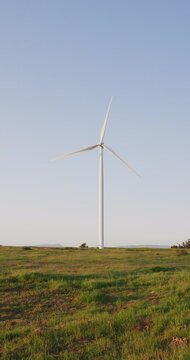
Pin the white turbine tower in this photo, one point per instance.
(101, 147)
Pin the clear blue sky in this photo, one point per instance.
(60, 63)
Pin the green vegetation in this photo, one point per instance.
(115, 304)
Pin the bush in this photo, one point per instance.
(182, 252)
(26, 248)
(83, 246)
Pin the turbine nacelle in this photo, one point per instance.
(101, 145)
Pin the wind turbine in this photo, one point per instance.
(101, 147)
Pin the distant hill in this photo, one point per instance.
(146, 246)
(121, 247)
(49, 245)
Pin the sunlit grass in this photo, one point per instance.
(120, 304)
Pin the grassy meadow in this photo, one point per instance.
(84, 304)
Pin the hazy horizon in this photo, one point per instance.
(60, 63)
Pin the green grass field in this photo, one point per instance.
(120, 304)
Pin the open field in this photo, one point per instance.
(89, 304)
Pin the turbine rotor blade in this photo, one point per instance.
(103, 129)
(61, 157)
(118, 157)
